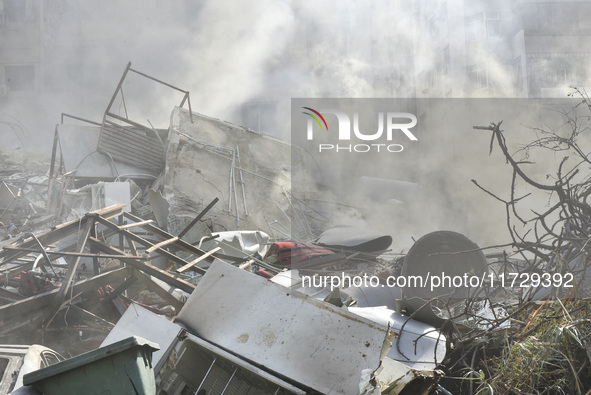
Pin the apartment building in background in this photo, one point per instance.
(505, 48)
(378, 48)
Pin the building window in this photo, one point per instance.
(566, 16)
(478, 76)
(483, 25)
(517, 74)
(20, 78)
(555, 76)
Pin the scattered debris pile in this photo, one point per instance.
(88, 264)
(136, 231)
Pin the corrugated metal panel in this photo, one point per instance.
(132, 145)
(78, 144)
(309, 341)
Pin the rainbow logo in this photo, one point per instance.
(315, 118)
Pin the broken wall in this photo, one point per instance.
(249, 173)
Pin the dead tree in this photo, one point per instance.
(559, 237)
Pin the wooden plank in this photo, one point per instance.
(149, 221)
(59, 232)
(146, 267)
(152, 286)
(132, 247)
(196, 261)
(146, 243)
(180, 244)
(161, 244)
(68, 279)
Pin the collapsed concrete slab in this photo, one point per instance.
(310, 341)
(249, 172)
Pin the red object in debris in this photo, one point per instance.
(263, 273)
(289, 252)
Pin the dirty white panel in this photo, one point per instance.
(307, 340)
(250, 242)
(137, 321)
(117, 193)
(418, 345)
(394, 376)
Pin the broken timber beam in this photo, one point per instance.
(132, 236)
(144, 266)
(133, 225)
(196, 261)
(198, 217)
(180, 244)
(58, 233)
(72, 267)
(161, 244)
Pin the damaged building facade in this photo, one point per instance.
(182, 169)
(183, 258)
(131, 232)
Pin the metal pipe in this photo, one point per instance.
(126, 120)
(123, 101)
(258, 261)
(284, 213)
(230, 191)
(52, 166)
(190, 111)
(157, 80)
(79, 119)
(205, 377)
(228, 383)
(197, 218)
(295, 214)
(258, 175)
(235, 193)
(44, 254)
(274, 228)
(127, 68)
(156, 133)
(242, 182)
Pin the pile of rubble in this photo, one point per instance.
(136, 244)
(134, 231)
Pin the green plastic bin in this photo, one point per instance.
(122, 368)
